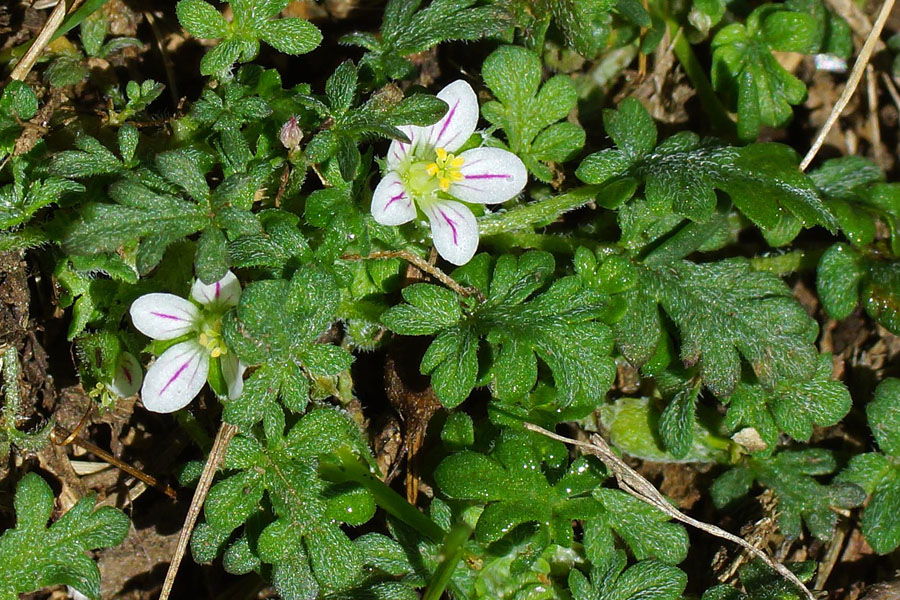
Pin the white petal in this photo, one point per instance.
(176, 377)
(459, 123)
(398, 150)
(129, 376)
(224, 293)
(163, 316)
(233, 373)
(391, 203)
(453, 229)
(490, 176)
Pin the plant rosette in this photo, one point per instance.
(179, 373)
(425, 175)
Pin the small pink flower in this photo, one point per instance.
(291, 134)
(179, 373)
(425, 174)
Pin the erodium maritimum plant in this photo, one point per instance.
(424, 174)
(179, 373)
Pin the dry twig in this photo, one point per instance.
(72, 438)
(40, 42)
(855, 75)
(424, 266)
(216, 454)
(632, 482)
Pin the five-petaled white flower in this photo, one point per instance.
(426, 174)
(180, 372)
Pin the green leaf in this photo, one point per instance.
(762, 583)
(584, 24)
(35, 556)
(838, 280)
(558, 326)
(291, 35)
(430, 308)
(18, 100)
(793, 406)
(845, 274)
(646, 530)
(19, 203)
(201, 19)
(156, 219)
(92, 158)
(212, 258)
(790, 474)
(883, 413)
(511, 483)
(646, 580)
(93, 32)
(724, 311)
(854, 190)
(295, 515)
(219, 60)
(341, 87)
(762, 180)
(676, 424)
(527, 111)
(408, 29)
(744, 69)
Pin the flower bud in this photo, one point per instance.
(291, 134)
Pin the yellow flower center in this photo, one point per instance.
(211, 339)
(446, 168)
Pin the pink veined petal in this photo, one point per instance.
(176, 377)
(490, 176)
(163, 316)
(233, 373)
(459, 123)
(398, 150)
(224, 293)
(129, 376)
(453, 229)
(391, 203)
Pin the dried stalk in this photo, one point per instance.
(856, 74)
(40, 42)
(216, 454)
(635, 484)
(423, 266)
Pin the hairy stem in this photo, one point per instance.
(563, 244)
(542, 212)
(347, 467)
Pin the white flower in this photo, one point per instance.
(426, 174)
(180, 372)
(128, 376)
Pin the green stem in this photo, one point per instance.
(451, 552)
(562, 244)
(542, 212)
(788, 262)
(347, 467)
(715, 112)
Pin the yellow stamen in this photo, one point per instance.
(446, 168)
